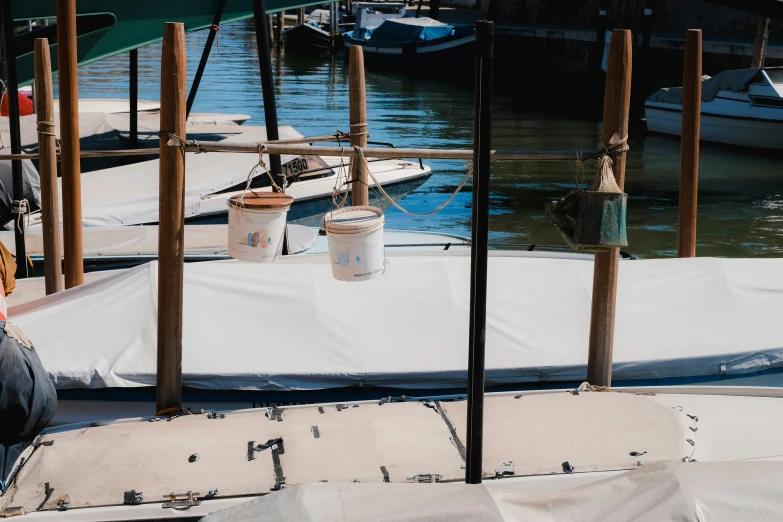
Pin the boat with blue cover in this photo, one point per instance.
(419, 45)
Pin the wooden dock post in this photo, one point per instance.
(270, 25)
(171, 232)
(760, 43)
(279, 28)
(358, 111)
(689, 145)
(300, 16)
(47, 167)
(70, 159)
(617, 98)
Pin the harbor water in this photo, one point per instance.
(740, 194)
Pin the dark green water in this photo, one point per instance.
(740, 196)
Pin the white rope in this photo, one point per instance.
(20, 208)
(342, 173)
(250, 175)
(394, 203)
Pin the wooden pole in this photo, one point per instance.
(171, 231)
(300, 16)
(689, 145)
(617, 99)
(69, 143)
(358, 112)
(279, 28)
(47, 167)
(760, 43)
(270, 25)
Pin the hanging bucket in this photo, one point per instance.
(256, 226)
(355, 236)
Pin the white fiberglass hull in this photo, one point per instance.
(729, 129)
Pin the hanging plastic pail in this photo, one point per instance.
(355, 236)
(256, 225)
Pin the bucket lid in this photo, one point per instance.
(353, 219)
(262, 201)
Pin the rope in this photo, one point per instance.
(342, 172)
(394, 203)
(357, 133)
(45, 124)
(20, 208)
(616, 145)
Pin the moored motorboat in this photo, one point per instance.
(742, 108)
(419, 45)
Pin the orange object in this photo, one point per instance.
(25, 105)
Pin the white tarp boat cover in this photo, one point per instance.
(290, 325)
(128, 195)
(105, 131)
(709, 491)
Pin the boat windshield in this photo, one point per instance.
(775, 75)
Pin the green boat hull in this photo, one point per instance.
(106, 27)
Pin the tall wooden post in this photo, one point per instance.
(617, 99)
(300, 16)
(270, 25)
(358, 111)
(760, 43)
(279, 28)
(689, 145)
(69, 143)
(47, 167)
(171, 231)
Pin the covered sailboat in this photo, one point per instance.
(679, 321)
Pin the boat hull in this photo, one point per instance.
(451, 56)
(755, 133)
(307, 39)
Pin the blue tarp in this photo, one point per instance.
(410, 30)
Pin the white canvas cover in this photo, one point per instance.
(128, 194)
(364, 442)
(727, 491)
(290, 325)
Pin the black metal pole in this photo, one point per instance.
(485, 35)
(268, 92)
(205, 55)
(134, 99)
(16, 140)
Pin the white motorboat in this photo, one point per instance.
(742, 107)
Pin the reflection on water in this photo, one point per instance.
(740, 197)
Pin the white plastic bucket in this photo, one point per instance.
(355, 236)
(256, 225)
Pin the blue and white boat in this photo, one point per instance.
(421, 45)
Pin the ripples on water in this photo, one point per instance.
(740, 197)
